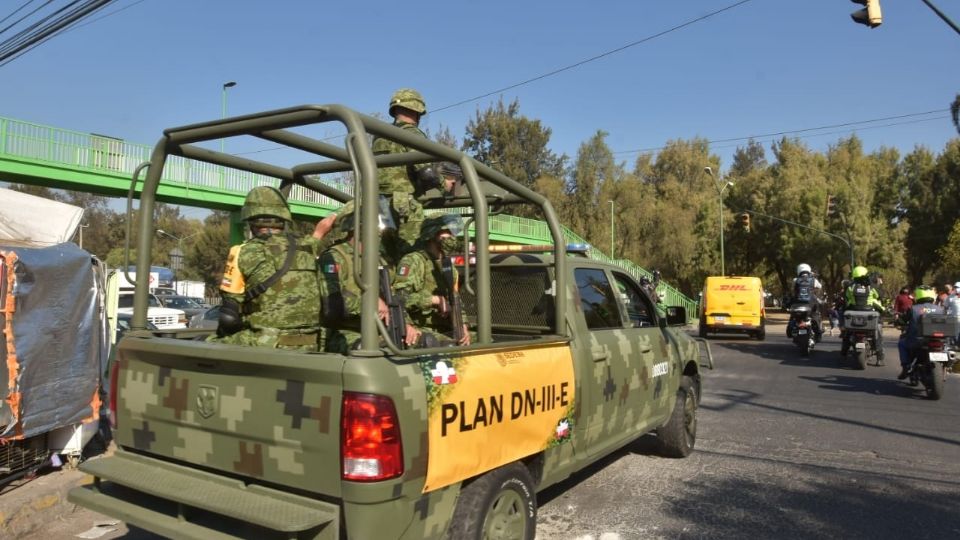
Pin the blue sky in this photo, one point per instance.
(766, 66)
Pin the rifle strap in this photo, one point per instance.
(254, 292)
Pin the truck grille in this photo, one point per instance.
(164, 321)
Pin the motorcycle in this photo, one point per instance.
(860, 330)
(803, 328)
(937, 353)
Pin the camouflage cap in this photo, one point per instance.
(444, 222)
(265, 201)
(408, 98)
(449, 168)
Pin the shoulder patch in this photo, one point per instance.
(404, 270)
(331, 268)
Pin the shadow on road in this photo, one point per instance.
(738, 397)
(882, 387)
(813, 506)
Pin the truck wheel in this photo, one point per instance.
(679, 434)
(761, 333)
(501, 504)
(703, 330)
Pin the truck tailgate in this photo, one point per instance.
(261, 414)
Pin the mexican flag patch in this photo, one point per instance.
(404, 270)
(331, 268)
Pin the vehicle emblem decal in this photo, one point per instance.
(443, 374)
(207, 398)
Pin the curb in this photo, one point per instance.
(35, 503)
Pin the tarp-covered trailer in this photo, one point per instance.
(53, 336)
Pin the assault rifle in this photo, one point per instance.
(453, 298)
(398, 325)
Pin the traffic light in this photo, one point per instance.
(870, 15)
(744, 219)
(831, 206)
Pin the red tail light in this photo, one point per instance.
(370, 438)
(114, 377)
(935, 345)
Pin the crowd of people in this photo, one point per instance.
(301, 292)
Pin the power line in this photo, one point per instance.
(104, 16)
(594, 58)
(805, 130)
(562, 69)
(47, 28)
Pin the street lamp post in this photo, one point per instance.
(223, 105)
(611, 229)
(721, 187)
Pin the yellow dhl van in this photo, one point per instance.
(732, 304)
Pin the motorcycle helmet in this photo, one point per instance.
(924, 293)
(803, 267)
(858, 272)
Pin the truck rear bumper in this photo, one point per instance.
(183, 502)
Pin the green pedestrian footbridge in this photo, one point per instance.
(60, 158)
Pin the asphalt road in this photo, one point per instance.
(788, 447)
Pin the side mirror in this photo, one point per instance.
(676, 316)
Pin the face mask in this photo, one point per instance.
(449, 245)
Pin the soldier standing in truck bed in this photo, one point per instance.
(401, 185)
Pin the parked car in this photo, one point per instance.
(124, 320)
(209, 319)
(185, 303)
(164, 318)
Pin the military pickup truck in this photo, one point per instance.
(572, 359)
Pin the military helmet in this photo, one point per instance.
(858, 272)
(408, 98)
(924, 293)
(803, 267)
(265, 202)
(444, 222)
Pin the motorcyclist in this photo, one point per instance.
(910, 342)
(806, 290)
(860, 295)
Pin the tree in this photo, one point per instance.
(513, 144)
(955, 112)
(209, 251)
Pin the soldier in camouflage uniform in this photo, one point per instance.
(420, 282)
(340, 293)
(285, 313)
(401, 185)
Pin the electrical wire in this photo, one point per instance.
(47, 28)
(594, 58)
(104, 16)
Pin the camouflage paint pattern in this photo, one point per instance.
(418, 280)
(399, 185)
(290, 308)
(339, 294)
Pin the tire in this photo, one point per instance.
(860, 358)
(762, 333)
(933, 380)
(500, 504)
(703, 330)
(679, 435)
(805, 347)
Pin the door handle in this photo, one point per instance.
(599, 355)
(648, 349)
